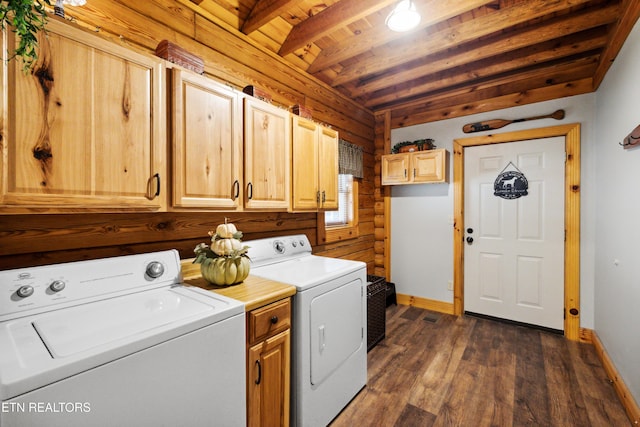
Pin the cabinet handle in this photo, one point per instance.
(274, 320)
(318, 197)
(157, 178)
(259, 372)
(324, 197)
(405, 173)
(249, 191)
(414, 172)
(236, 187)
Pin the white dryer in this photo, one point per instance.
(329, 330)
(118, 342)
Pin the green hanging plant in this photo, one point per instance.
(421, 144)
(26, 17)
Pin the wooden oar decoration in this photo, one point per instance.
(499, 123)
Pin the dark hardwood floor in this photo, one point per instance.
(434, 369)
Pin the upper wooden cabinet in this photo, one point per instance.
(328, 179)
(315, 166)
(267, 147)
(85, 130)
(206, 143)
(420, 167)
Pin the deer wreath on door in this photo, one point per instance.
(510, 184)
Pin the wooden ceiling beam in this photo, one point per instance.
(330, 19)
(409, 115)
(263, 12)
(631, 14)
(517, 82)
(438, 11)
(464, 51)
(524, 79)
(422, 43)
(500, 45)
(474, 72)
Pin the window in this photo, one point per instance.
(343, 223)
(344, 215)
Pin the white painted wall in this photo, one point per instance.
(617, 287)
(421, 214)
(422, 232)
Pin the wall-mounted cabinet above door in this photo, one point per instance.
(267, 148)
(85, 130)
(206, 143)
(419, 167)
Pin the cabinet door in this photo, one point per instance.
(267, 146)
(395, 169)
(85, 129)
(206, 143)
(268, 381)
(305, 151)
(428, 166)
(328, 168)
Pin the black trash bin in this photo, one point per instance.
(391, 294)
(376, 306)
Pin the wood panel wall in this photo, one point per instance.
(37, 239)
(382, 232)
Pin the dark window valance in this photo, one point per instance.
(350, 159)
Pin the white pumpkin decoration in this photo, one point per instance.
(225, 262)
(224, 247)
(226, 230)
(224, 271)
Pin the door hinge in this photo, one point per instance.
(565, 157)
(564, 313)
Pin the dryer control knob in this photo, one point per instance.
(279, 246)
(155, 269)
(57, 285)
(25, 291)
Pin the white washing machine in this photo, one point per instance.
(118, 342)
(329, 330)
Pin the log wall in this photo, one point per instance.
(229, 56)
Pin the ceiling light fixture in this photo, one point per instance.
(403, 17)
(59, 7)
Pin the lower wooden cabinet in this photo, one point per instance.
(268, 364)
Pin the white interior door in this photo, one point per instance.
(514, 239)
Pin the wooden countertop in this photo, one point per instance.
(254, 291)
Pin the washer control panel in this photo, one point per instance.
(264, 251)
(33, 290)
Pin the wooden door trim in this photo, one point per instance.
(571, 132)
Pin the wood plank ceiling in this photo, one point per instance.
(465, 56)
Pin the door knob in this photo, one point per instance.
(469, 230)
(469, 240)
